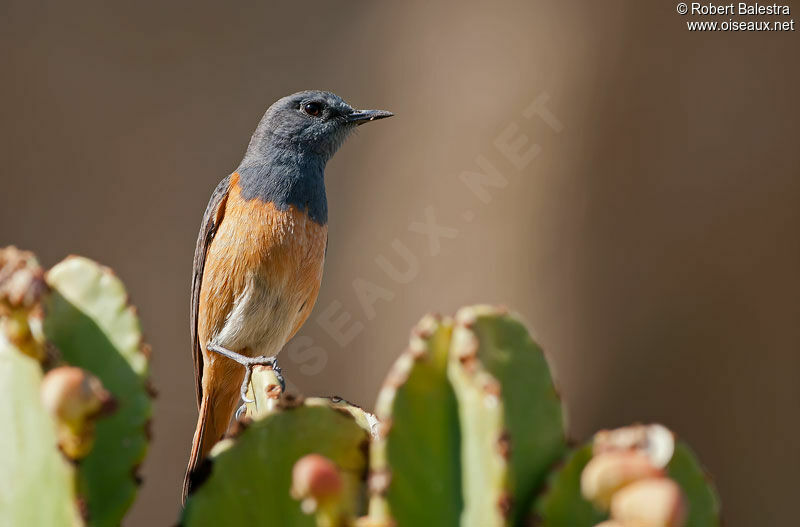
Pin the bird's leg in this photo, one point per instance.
(249, 363)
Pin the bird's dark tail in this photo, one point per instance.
(197, 452)
(216, 411)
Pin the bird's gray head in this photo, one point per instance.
(285, 161)
(311, 123)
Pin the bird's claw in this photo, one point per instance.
(278, 374)
(249, 363)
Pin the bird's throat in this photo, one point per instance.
(285, 178)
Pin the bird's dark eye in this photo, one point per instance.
(312, 108)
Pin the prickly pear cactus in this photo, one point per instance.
(471, 424)
(89, 320)
(249, 478)
(470, 427)
(415, 463)
(37, 485)
(510, 415)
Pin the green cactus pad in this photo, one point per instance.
(562, 504)
(267, 398)
(704, 508)
(37, 487)
(364, 419)
(89, 320)
(249, 481)
(417, 454)
(511, 419)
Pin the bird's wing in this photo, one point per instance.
(211, 220)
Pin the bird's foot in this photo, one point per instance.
(249, 363)
(261, 360)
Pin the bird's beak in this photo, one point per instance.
(364, 116)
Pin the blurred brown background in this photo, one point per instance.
(652, 243)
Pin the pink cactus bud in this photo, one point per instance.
(369, 521)
(608, 472)
(22, 288)
(74, 397)
(654, 502)
(22, 282)
(315, 477)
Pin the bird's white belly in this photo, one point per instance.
(262, 318)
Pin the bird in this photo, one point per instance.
(260, 252)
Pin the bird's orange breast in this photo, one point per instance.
(281, 251)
